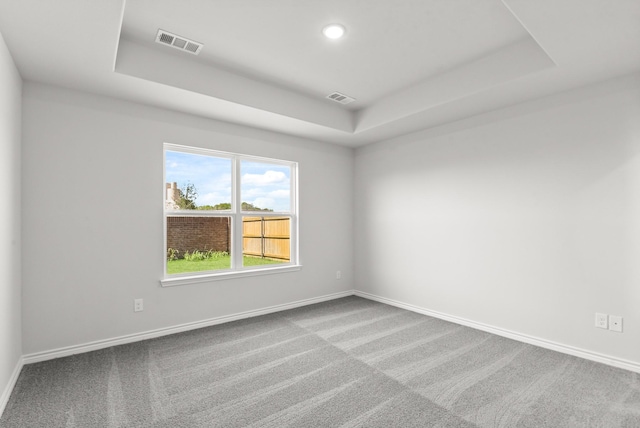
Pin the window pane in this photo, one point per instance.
(196, 244)
(265, 187)
(265, 240)
(197, 182)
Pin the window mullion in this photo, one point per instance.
(236, 259)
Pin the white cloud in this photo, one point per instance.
(268, 178)
(213, 199)
(264, 203)
(253, 193)
(279, 194)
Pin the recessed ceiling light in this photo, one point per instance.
(333, 31)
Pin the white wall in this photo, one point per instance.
(92, 215)
(10, 130)
(526, 219)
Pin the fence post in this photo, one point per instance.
(262, 236)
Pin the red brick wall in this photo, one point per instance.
(198, 233)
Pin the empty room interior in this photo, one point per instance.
(320, 213)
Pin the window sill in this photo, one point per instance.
(195, 279)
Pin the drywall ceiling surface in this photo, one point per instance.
(409, 65)
(385, 48)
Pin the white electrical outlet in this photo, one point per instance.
(615, 323)
(601, 320)
(138, 305)
(338, 274)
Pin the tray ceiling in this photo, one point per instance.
(409, 66)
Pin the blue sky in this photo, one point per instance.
(262, 184)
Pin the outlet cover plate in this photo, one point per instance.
(601, 320)
(615, 323)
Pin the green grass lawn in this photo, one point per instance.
(184, 266)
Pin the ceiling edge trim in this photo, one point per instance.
(513, 61)
(120, 23)
(167, 68)
(526, 28)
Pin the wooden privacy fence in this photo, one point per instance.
(266, 237)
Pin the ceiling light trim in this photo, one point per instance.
(334, 31)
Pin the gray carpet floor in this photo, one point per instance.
(349, 362)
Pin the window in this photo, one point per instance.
(227, 214)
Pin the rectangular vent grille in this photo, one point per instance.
(340, 98)
(193, 47)
(178, 42)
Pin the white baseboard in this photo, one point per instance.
(4, 398)
(547, 344)
(136, 337)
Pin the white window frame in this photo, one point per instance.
(236, 214)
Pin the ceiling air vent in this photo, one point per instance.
(340, 98)
(178, 42)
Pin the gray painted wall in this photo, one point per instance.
(10, 141)
(525, 219)
(93, 218)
